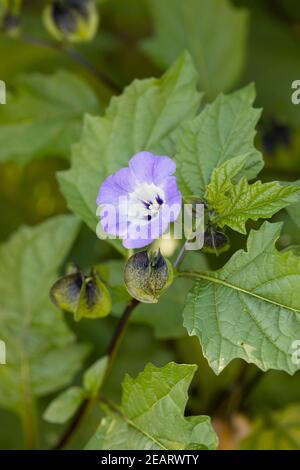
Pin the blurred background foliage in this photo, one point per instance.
(232, 43)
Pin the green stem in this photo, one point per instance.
(116, 340)
(29, 425)
(180, 256)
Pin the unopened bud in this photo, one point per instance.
(147, 276)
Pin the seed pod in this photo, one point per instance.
(71, 20)
(85, 297)
(215, 241)
(95, 300)
(147, 276)
(65, 293)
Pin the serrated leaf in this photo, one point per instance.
(44, 116)
(250, 308)
(42, 355)
(234, 204)
(223, 130)
(94, 376)
(276, 431)
(200, 26)
(144, 117)
(63, 407)
(152, 414)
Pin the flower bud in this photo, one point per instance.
(71, 20)
(215, 241)
(147, 276)
(85, 297)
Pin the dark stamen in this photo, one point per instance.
(149, 217)
(159, 200)
(147, 204)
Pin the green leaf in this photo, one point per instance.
(294, 210)
(276, 431)
(94, 376)
(234, 204)
(223, 130)
(145, 117)
(200, 26)
(44, 116)
(152, 414)
(42, 355)
(63, 407)
(249, 308)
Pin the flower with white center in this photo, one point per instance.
(139, 202)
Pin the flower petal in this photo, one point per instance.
(115, 186)
(113, 221)
(164, 167)
(128, 243)
(172, 193)
(142, 165)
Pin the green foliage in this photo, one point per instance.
(223, 130)
(276, 431)
(152, 414)
(234, 204)
(94, 376)
(42, 353)
(249, 308)
(200, 26)
(64, 406)
(44, 116)
(294, 210)
(242, 305)
(146, 116)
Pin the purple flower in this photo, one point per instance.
(138, 203)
